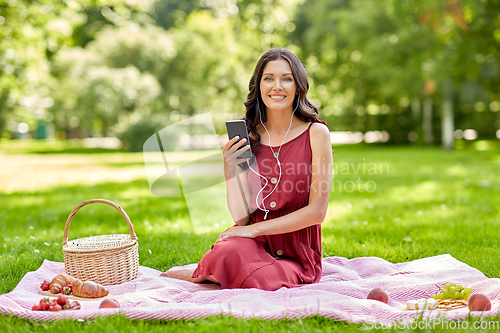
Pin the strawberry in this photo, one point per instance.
(45, 304)
(55, 307)
(66, 290)
(63, 299)
(45, 285)
(75, 306)
(53, 301)
(35, 307)
(66, 306)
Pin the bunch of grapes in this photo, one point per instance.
(453, 291)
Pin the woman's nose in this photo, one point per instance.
(277, 85)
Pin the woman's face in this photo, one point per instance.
(277, 86)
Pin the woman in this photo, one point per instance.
(280, 198)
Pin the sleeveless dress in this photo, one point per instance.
(270, 262)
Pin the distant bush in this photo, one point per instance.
(134, 136)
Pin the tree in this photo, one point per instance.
(392, 52)
(89, 91)
(30, 33)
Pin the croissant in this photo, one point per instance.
(89, 289)
(61, 281)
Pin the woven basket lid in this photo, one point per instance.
(99, 243)
(103, 243)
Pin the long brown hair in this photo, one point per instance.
(306, 111)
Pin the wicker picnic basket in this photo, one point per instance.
(106, 259)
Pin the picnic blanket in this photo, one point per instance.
(340, 295)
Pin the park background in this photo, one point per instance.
(84, 83)
(422, 71)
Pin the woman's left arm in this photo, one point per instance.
(315, 211)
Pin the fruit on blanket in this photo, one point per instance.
(55, 307)
(62, 300)
(453, 291)
(45, 285)
(55, 304)
(60, 281)
(74, 305)
(45, 304)
(378, 295)
(479, 302)
(109, 303)
(66, 290)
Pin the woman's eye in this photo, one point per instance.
(288, 79)
(266, 79)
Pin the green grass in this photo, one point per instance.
(425, 202)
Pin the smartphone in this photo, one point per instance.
(239, 127)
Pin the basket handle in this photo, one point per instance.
(107, 202)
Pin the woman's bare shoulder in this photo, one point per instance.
(320, 131)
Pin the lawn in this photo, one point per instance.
(397, 203)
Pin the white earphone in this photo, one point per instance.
(276, 156)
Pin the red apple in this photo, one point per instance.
(378, 295)
(109, 303)
(479, 302)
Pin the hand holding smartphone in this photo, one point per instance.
(238, 127)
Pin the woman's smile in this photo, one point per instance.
(277, 97)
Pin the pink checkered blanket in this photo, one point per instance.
(341, 294)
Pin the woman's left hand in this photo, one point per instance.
(246, 231)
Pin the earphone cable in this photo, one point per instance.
(276, 156)
(262, 189)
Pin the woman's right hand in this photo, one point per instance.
(231, 153)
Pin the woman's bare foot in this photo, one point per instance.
(185, 273)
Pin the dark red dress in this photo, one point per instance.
(272, 261)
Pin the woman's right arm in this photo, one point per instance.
(236, 182)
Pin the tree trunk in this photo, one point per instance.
(67, 132)
(427, 121)
(2, 123)
(3, 101)
(415, 108)
(105, 128)
(447, 121)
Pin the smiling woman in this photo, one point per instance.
(276, 239)
(283, 84)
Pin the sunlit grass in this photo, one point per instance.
(426, 202)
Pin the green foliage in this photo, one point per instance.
(135, 135)
(29, 31)
(374, 65)
(394, 53)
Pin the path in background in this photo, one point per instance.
(33, 172)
